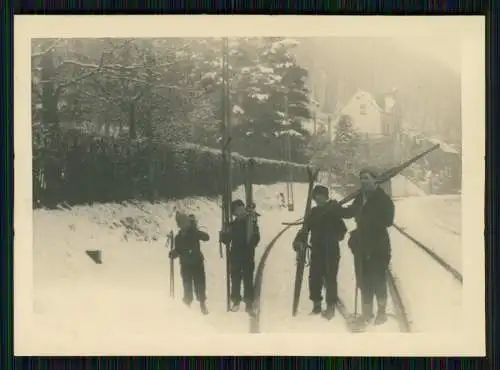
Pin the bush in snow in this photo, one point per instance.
(82, 169)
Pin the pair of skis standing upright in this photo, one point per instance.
(226, 219)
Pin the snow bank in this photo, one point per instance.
(402, 187)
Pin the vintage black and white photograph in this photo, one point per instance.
(188, 186)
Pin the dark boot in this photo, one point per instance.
(381, 315)
(235, 307)
(329, 312)
(367, 315)
(316, 308)
(249, 309)
(367, 318)
(203, 308)
(381, 318)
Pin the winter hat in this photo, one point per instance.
(369, 170)
(179, 217)
(235, 204)
(320, 190)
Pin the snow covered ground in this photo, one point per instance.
(436, 221)
(402, 187)
(79, 304)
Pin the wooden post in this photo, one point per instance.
(228, 158)
(314, 121)
(288, 158)
(330, 128)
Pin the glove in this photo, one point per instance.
(172, 254)
(299, 245)
(224, 237)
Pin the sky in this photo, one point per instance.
(447, 50)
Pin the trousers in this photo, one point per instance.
(323, 273)
(194, 280)
(371, 277)
(242, 271)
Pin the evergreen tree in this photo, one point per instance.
(345, 148)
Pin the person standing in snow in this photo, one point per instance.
(373, 211)
(187, 249)
(242, 255)
(327, 229)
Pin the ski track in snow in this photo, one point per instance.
(80, 304)
(438, 225)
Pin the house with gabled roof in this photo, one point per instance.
(365, 113)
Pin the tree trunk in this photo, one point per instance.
(131, 121)
(50, 123)
(50, 117)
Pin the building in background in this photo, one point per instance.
(365, 113)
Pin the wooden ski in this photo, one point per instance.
(385, 176)
(300, 244)
(249, 201)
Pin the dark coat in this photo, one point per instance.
(187, 245)
(241, 249)
(371, 237)
(325, 225)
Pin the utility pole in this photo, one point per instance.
(227, 160)
(288, 158)
(227, 112)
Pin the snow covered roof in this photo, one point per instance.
(447, 148)
(444, 146)
(368, 98)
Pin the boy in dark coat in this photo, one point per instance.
(187, 248)
(327, 229)
(373, 210)
(242, 254)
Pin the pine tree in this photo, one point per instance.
(263, 72)
(345, 147)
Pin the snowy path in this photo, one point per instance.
(433, 298)
(347, 284)
(277, 296)
(431, 295)
(436, 222)
(80, 304)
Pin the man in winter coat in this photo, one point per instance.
(187, 248)
(373, 210)
(327, 229)
(242, 254)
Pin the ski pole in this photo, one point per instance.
(356, 299)
(172, 275)
(357, 262)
